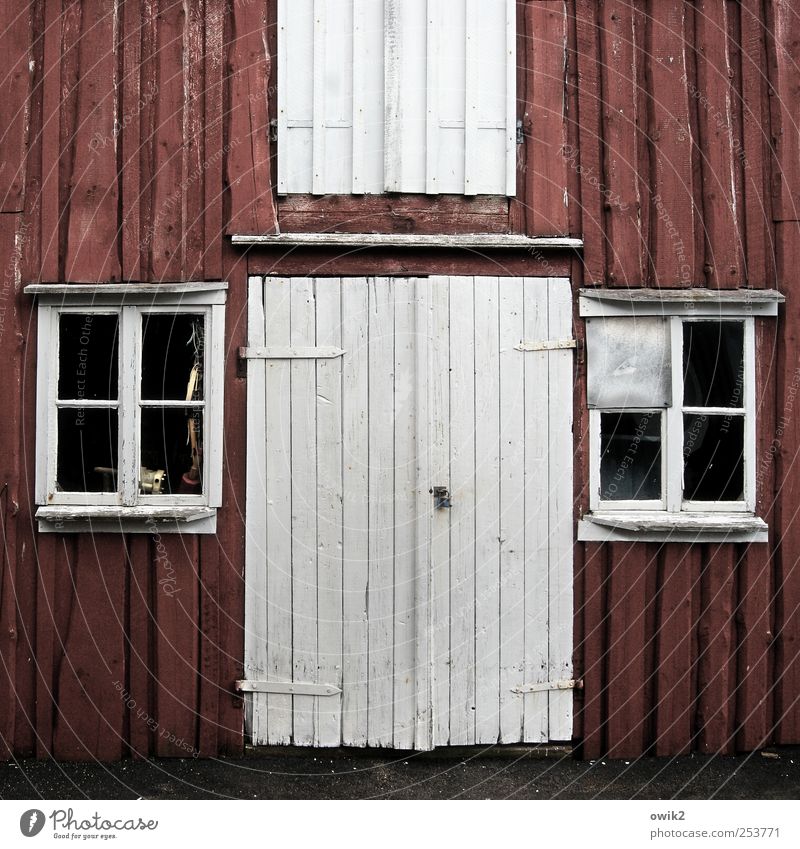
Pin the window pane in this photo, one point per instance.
(87, 357)
(713, 450)
(172, 344)
(630, 465)
(713, 364)
(87, 450)
(172, 451)
(628, 362)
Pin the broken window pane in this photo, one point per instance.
(628, 362)
(87, 450)
(630, 465)
(713, 364)
(172, 344)
(87, 358)
(713, 452)
(172, 451)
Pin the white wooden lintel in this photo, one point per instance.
(290, 352)
(490, 241)
(547, 345)
(288, 688)
(546, 686)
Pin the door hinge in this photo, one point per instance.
(547, 345)
(273, 130)
(289, 688)
(547, 686)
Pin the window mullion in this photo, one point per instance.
(129, 367)
(674, 421)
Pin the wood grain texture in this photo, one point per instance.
(248, 160)
(15, 47)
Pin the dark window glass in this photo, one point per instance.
(172, 451)
(713, 363)
(87, 357)
(171, 346)
(713, 451)
(630, 465)
(87, 450)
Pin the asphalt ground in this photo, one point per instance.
(470, 774)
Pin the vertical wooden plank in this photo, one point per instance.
(130, 139)
(252, 209)
(43, 655)
(716, 647)
(462, 533)
(355, 509)
(672, 213)
(214, 110)
(196, 160)
(560, 540)
(679, 576)
(724, 267)
(471, 115)
(753, 155)
(211, 687)
(537, 512)
(439, 365)
(176, 588)
(15, 45)
(50, 150)
(627, 644)
(621, 73)
(304, 507)
(168, 151)
(380, 596)
(359, 82)
(588, 199)
(91, 678)
(318, 131)
(547, 172)
(407, 385)
(283, 96)
(420, 515)
(327, 726)
(278, 431)
(592, 649)
(256, 517)
(512, 509)
(141, 674)
(754, 626)
(511, 97)
(487, 511)
(392, 73)
(432, 94)
(10, 497)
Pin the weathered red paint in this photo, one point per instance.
(134, 165)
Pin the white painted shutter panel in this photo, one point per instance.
(398, 96)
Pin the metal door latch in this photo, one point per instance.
(441, 498)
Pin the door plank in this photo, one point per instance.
(487, 511)
(512, 508)
(355, 522)
(329, 511)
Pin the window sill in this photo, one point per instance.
(169, 519)
(658, 526)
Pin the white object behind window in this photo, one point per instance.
(397, 96)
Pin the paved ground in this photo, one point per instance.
(342, 775)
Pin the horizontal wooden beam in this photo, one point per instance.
(478, 241)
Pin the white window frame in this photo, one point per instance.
(673, 517)
(128, 510)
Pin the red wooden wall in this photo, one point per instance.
(134, 137)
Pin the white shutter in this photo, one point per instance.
(398, 96)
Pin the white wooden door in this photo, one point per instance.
(374, 617)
